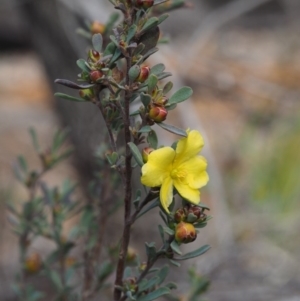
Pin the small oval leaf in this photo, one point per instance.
(69, 97)
(97, 41)
(134, 72)
(136, 153)
(82, 64)
(72, 85)
(152, 82)
(181, 95)
(152, 139)
(155, 294)
(195, 253)
(172, 129)
(145, 99)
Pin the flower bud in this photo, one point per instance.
(143, 266)
(144, 3)
(180, 215)
(130, 284)
(144, 73)
(87, 94)
(97, 27)
(198, 213)
(162, 101)
(95, 75)
(185, 233)
(131, 255)
(33, 263)
(158, 114)
(146, 152)
(94, 55)
(70, 261)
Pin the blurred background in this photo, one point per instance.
(242, 59)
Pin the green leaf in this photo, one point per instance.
(162, 274)
(69, 97)
(171, 285)
(136, 153)
(152, 82)
(195, 253)
(181, 95)
(172, 129)
(150, 250)
(145, 129)
(153, 205)
(72, 85)
(105, 269)
(149, 284)
(151, 23)
(113, 18)
(161, 232)
(163, 75)
(175, 247)
(157, 69)
(200, 225)
(112, 158)
(139, 49)
(152, 139)
(82, 64)
(171, 107)
(55, 278)
(23, 163)
(162, 18)
(137, 198)
(145, 99)
(110, 49)
(34, 139)
(97, 42)
(115, 57)
(134, 72)
(155, 294)
(59, 139)
(169, 231)
(177, 264)
(149, 39)
(131, 32)
(167, 87)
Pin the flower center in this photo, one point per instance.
(178, 174)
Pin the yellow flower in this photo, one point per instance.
(181, 168)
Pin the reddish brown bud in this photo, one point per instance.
(180, 215)
(196, 214)
(158, 114)
(144, 73)
(94, 55)
(33, 263)
(185, 233)
(95, 75)
(146, 152)
(97, 27)
(144, 3)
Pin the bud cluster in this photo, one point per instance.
(157, 110)
(185, 218)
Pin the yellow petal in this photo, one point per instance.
(157, 167)
(188, 147)
(188, 193)
(166, 193)
(195, 169)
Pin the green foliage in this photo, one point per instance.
(113, 77)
